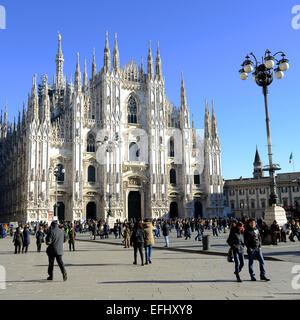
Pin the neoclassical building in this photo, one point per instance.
(250, 196)
(117, 144)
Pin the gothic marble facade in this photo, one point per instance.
(122, 143)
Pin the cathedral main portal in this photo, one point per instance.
(134, 206)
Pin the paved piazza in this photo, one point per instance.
(105, 272)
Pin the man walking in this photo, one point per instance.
(166, 232)
(253, 244)
(55, 242)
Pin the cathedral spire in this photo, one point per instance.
(5, 114)
(183, 93)
(207, 121)
(107, 66)
(142, 65)
(85, 76)
(45, 101)
(158, 69)
(150, 63)
(116, 58)
(214, 126)
(77, 75)
(34, 100)
(94, 67)
(59, 78)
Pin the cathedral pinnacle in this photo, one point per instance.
(158, 69)
(150, 63)
(116, 58)
(59, 78)
(107, 65)
(183, 93)
(214, 126)
(94, 67)
(85, 76)
(77, 75)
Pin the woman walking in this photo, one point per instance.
(18, 240)
(149, 240)
(126, 234)
(26, 237)
(137, 240)
(236, 242)
(39, 238)
(72, 238)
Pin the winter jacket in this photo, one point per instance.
(40, 237)
(252, 238)
(165, 230)
(72, 235)
(137, 238)
(26, 235)
(18, 238)
(236, 240)
(56, 239)
(148, 230)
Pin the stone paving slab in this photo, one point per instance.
(105, 272)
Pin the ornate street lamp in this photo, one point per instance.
(110, 144)
(263, 75)
(57, 172)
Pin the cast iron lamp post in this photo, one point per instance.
(57, 172)
(263, 76)
(110, 145)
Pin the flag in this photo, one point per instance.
(291, 157)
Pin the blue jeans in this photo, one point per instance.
(199, 235)
(148, 252)
(252, 253)
(167, 240)
(239, 261)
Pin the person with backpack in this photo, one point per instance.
(137, 240)
(236, 243)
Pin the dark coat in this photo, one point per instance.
(72, 235)
(18, 238)
(252, 238)
(56, 239)
(236, 240)
(26, 235)
(137, 238)
(165, 230)
(40, 237)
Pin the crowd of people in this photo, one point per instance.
(140, 235)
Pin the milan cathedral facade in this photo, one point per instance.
(112, 146)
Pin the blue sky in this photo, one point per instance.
(207, 40)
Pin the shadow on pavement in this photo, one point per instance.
(169, 281)
(87, 265)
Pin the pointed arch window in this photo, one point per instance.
(91, 143)
(171, 148)
(132, 110)
(91, 174)
(134, 152)
(61, 173)
(196, 177)
(172, 176)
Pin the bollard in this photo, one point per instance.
(206, 244)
